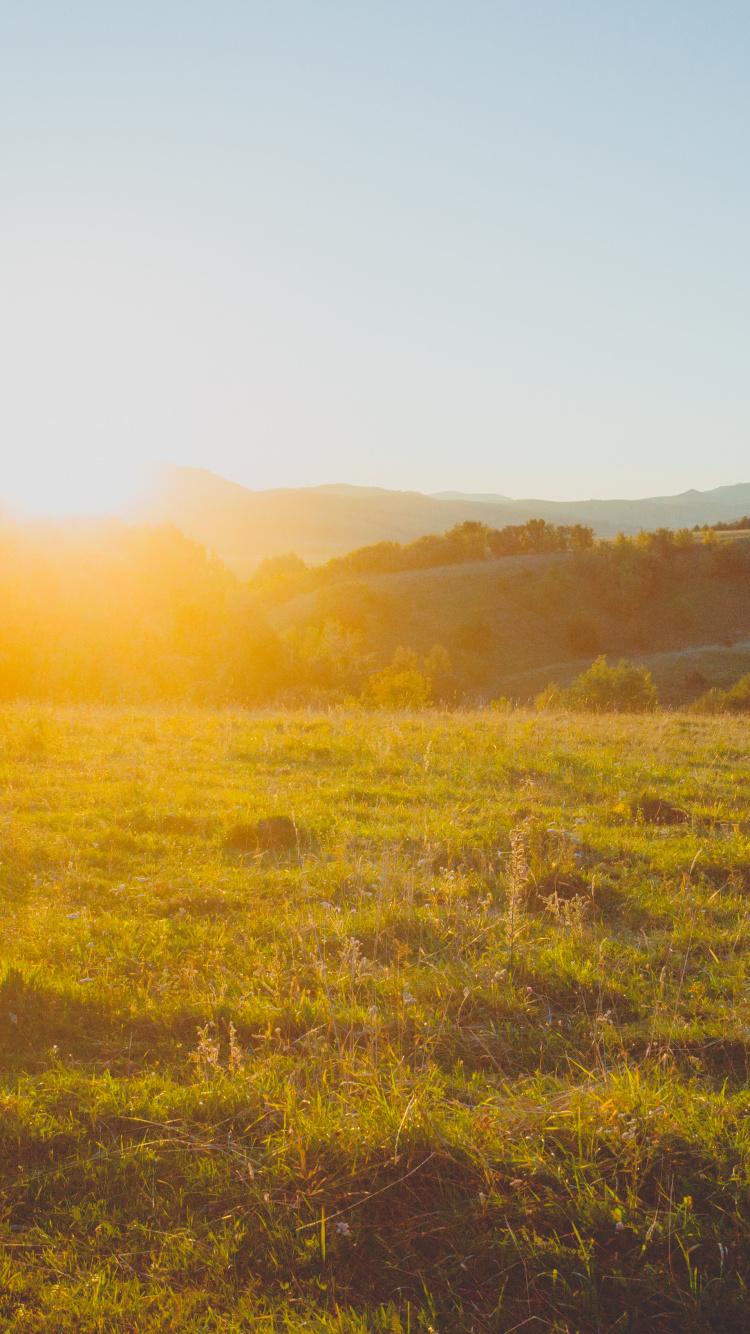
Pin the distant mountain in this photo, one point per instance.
(243, 526)
(485, 498)
(608, 517)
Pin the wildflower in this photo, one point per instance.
(14, 1018)
(343, 1228)
(407, 997)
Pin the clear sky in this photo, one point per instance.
(483, 245)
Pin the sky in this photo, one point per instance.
(475, 245)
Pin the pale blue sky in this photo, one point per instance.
(432, 244)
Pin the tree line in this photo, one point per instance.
(735, 526)
(288, 575)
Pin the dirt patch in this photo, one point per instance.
(657, 810)
(274, 833)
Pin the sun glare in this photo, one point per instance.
(46, 485)
(104, 359)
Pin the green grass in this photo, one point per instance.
(370, 1081)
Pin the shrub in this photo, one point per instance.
(397, 690)
(329, 655)
(604, 688)
(438, 669)
(734, 700)
(610, 688)
(400, 686)
(552, 698)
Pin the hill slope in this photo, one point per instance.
(244, 526)
(513, 625)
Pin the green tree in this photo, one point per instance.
(400, 686)
(613, 688)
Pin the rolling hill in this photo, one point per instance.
(244, 526)
(512, 626)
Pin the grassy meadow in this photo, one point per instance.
(373, 1022)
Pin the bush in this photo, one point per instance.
(604, 688)
(438, 669)
(551, 698)
(397, 690)
(734, 700)
(401, 686)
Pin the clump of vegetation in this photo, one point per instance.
(622, 687)
(734, 700)
(410, 681)
(397, 687)
(607, 687)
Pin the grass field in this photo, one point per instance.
(463, 1046)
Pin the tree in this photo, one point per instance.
(400, 686)
(609, 688)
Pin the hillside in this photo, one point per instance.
(513, 625)
(144, 614)
(244, 526)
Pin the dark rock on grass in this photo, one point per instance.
(275, 833)
(657, 810)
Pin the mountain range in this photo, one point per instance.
(244, 526)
